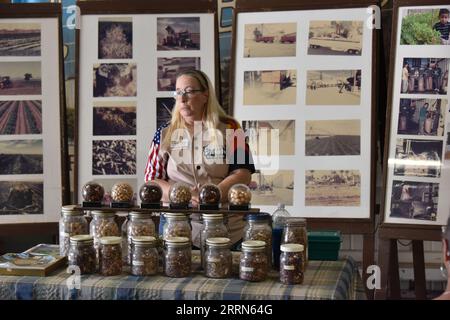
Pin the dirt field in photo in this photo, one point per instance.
(341, 195)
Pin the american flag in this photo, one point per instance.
(156, 165)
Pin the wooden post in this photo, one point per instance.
(419, 270)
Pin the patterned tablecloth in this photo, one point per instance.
(333, 280)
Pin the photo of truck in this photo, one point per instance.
(335, 38)
(178, 33)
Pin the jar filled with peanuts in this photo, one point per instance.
(103, 224)
(294, 231)
(259, 227)
(82, 253)
(180, 195)
(218, 258)
(213, 227)
(110, 256)
(178, 257)
(291, 263)
(253, 261)
(144, 256)
(71, 223)
(139, 224)
(177, 225)
(122, 193)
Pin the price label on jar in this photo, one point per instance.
(137, 263)
(289, 267)
(247, 269)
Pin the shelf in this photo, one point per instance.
(167, 209)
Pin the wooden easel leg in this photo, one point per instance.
(383, 262)
(368, 260)
(419, 270)
(394, 277)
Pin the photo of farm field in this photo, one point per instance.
(333, 138)
(113, 157)
(339, 188)
(20, 39)
(21, 197)
(20, 78)
(20, 117)
(21, 157)
(114, 118)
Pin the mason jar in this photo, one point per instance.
(139, 224)
(259, 227)
(294, 231)
(178, 257)
(218, 258)
(177, 225)
(291, 263)
(253, 264)
(82, 253)
(71, 223)
(144, 256)
(103, 224)
(213, 227)
(110, 256)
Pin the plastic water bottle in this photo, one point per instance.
(278, 221)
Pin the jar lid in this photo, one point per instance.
(143, 240)
(212, 216)
(175, 215)
(218, 242)
(177, 241)
(253, 245)
(81, 238)
(71, 210)
(103, 213)
(140, 214)
(295, 221)
(263, 216)
(292, 247)
(110, 240)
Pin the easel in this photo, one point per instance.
(365, 227)
(388, 258)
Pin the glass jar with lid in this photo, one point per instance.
(253, 264)
(218, 258)
(213, 227)
(291, 263)
(144, 256)
(180, 195)
(150, 192)
(82, 253)
(103, 224)
(71, 223)
(259, 227)
(295, 231)
(139, 224)
(209, 196)
(239, 195)
(177, 225)
(177, 257)
(110, 256)
(122, 192)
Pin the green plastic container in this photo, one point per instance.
(324, 245)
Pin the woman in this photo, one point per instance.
(446, 259)
(193, 149)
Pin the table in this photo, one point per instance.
(330, 280)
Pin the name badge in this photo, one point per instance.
(183, 144)
(213, 153)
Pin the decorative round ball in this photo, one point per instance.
(150, 192)
(180, 194)
(122, 192)
(239, 195)
(209, 194)
(92, 192)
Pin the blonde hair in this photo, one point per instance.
(212, 114)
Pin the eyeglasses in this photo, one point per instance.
(187, 93)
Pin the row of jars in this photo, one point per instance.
(179, 193)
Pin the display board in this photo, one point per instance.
(418, 139)
(129, 55)
(309, 72)
(33, 145)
